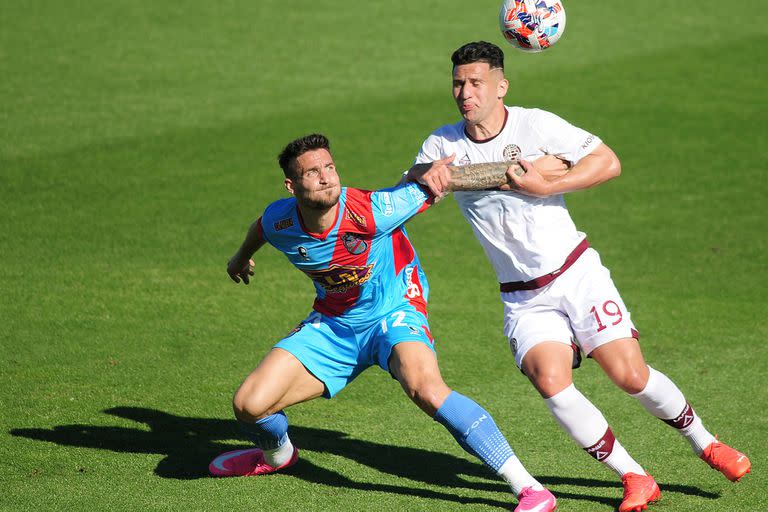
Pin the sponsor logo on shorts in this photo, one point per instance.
(353, 243)
(512, 152)
(283, 224)
(513, 345)
(389, 207)
(340, 278)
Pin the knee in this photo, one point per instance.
(550, 381)
(632, 379)
(428, 395)
(248, 405)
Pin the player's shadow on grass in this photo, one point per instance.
(190, 443)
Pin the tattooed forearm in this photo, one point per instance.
(481, 176)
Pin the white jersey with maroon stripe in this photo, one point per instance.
(524, 237)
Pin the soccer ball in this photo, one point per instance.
(532, 25)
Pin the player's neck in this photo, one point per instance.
(318, 220)
(489, 127)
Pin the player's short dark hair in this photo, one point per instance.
(298, 147)
(479, 51)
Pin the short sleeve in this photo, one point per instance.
(392, 207)
(560, 137)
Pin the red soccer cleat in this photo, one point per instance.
(246, 463)
(731, 463)
(532, 500)
(639, 491)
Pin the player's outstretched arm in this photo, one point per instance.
(442, 178)
(240, 265)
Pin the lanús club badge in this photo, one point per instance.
(512, 152)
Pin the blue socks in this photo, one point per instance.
(474, 429)
(267, 433)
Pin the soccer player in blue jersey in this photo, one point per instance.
(370, 309)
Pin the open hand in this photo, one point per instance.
(237, 269)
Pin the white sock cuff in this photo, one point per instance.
(661, 397)
(578, 416)
(564, 398)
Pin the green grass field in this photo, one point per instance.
(138, 141)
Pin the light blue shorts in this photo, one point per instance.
(336, 352)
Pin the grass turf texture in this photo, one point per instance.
(138, 141)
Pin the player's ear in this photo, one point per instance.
(503, 87)
(289, 185)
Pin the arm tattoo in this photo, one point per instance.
(482, 176)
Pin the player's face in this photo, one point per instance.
(316, 184)
(478, 90)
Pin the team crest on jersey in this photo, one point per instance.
(353, 243)
(356, 218)
(465, 160)
(512, 152)
(302, 252)
(340, 278)
(283, 224)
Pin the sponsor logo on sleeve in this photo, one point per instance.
(389, 207)
(417, 194)
(283, 224)
(588, 142)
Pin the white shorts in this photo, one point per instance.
(582, 305)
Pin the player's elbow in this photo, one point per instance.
(614, 168)
(611, 163)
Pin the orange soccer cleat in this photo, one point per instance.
(639, 490)
(731, 463)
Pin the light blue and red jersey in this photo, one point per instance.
(364, 265)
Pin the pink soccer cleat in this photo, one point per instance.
(532, 500)
(246, 463)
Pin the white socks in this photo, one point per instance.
(518, 478)
(662, 398)
(279, 455)
(587, 426)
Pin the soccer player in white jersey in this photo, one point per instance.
(559, 300)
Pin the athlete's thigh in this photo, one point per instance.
(596, 311)
(549, 366)
(623, 362)
(279, 381)
(403, 324)
(532, 318)
(328, 349)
